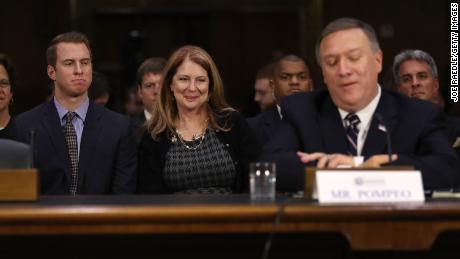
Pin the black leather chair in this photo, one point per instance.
(14, 154)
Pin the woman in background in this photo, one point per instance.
(195, 142)
(6, 95)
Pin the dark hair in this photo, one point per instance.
(265, 72)
(153, 65)
(289, 58)
(6, 62)
(68, 37)
(345, 24)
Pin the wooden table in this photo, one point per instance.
(367, 227)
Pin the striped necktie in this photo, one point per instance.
(72, 149)
(352, 133)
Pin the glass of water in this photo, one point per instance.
(262, 181)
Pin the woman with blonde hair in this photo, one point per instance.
(195, 142)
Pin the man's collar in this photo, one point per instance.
(278, 108)
(367, 111)
(147, 115)
(81, 110)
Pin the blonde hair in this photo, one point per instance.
(165, 112)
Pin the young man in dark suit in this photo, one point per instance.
(290, 75)
(79, 147)
(148, 83)
(349, 123)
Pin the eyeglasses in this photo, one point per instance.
(4, 83)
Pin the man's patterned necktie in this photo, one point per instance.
(72, 149)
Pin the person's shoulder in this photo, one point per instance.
(254, 120)
(31, 115)
(138, 120)
(232, 120)
(257, 119)
(263, 116)
(453, 119)
(159, 143)
(300, 103)
(228, 115)
(453, 124)
(147, 138)
(407, 104)
(314, 97)
(110, 115)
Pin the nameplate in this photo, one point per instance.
(369, 186)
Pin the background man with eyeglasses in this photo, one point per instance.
(6, 95)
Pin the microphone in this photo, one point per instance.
(383, 127)
(32, 144)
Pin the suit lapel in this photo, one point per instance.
(52, 125)
(332, 130)
(271, 119)
(88, 140)
(376, 140)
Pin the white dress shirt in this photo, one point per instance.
(365, 116)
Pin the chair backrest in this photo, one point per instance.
(14, 154)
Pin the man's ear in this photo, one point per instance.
(271, 84)
(379, 60)
(139, 90)
(436, 84)
(311, 85)
(272, 88)
(51, 71)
